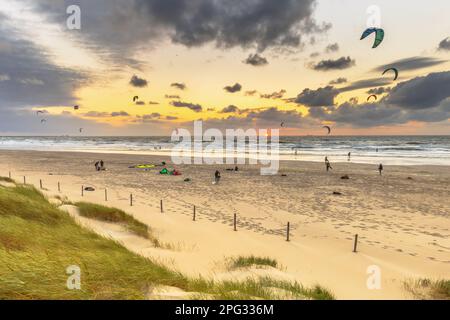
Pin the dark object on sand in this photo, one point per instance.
(89, 189)
(230, 169)
(409, 178)
(337, 193)
(187, 180)
(284, 175)
(346, 177)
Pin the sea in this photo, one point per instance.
(389, 150)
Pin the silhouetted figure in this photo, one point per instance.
(97, 166)
(380, 169)
(236, 169)
(102, 165)
(349, 156)
(328, 164)
(217, 177)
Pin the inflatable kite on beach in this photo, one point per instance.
(372, 96)
(379, 35)
(394, 70)
(328, 128)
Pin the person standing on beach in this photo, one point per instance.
(102, 165)
(217, 177)
(97, 166)
(349, 156)
(380, 169)
(328, 164)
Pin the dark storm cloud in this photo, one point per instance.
(423, 99)
(444, 45)
(275, 95)
(421, 92)
(334, 47)
(412, 63)
(338, 64)
(256, 60)
(138, 82)
(338, 81)
(317, 98)
(230, 109)
(29, 78)
(258, 24)
(234, 88)
(178, 85)
(192, 106)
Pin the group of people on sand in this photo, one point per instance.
(329, 167)
(100, 166)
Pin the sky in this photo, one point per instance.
(293, 65)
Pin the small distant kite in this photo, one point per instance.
(43, 121)
(76, 108)
(392, 69)
(39, 112)
(282, 124)
(328, 128)
(372, 96)
(379, 35)
(81, 130)
(135, 98)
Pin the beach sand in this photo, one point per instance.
(402, 218)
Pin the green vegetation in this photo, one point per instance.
(250, 261)
(429, 289)
(102, 213)
(38, 242)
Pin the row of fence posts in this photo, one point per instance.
(288, 229)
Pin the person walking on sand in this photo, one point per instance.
(349, 156)
(217, 177)
(328, 164)
(97, 164)
(102, 165)
(380, 169)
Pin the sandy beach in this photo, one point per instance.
(402, 218)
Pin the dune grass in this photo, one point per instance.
(251, 261)
(429, 289)
(102, 213)
(38, 242)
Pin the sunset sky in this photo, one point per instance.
(232, 63)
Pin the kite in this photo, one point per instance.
(81, 130)
(379, 35)
(328, 128)
(76, 107)
(282, 124)
(372, 96)
(392, 69)
(43, 121)
(38, 112)
(135, 98)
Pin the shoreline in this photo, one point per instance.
(167, 156)
(403, 224)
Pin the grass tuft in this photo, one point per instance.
(429, 289)
(250, 261)
(102, 213)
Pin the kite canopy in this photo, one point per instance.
(76, 107)
(379, 35)
(392, 69)
(135, 98)
(328, 128)
(372, 96)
